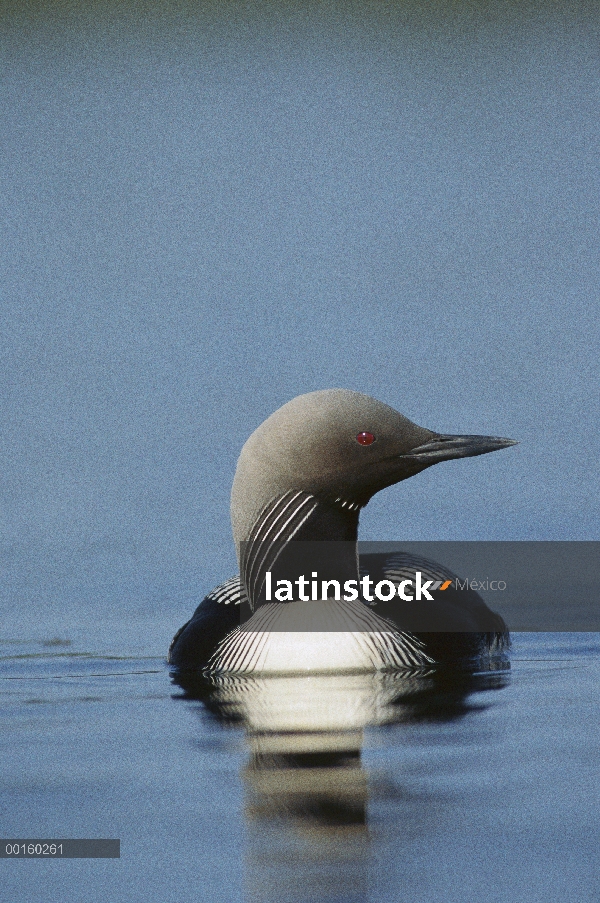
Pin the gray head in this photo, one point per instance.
(339, 446)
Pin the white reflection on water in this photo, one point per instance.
(306, 789)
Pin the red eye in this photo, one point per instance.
(365, 438)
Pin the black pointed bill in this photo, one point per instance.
(445, 448)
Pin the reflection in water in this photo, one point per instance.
(306, 790)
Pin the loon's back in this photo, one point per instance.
(470, 629)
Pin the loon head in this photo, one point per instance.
(338, 448)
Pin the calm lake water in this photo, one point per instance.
(313, 789)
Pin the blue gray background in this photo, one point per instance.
(211, 208)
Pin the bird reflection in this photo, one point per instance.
(306, 789)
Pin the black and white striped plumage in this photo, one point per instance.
(225, 636)
(277, 525)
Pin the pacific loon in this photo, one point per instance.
(301, 480)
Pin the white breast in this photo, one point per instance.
(316, 637)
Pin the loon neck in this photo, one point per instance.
(317, 560)
(297, 535)
(330, 539)
(331, 522)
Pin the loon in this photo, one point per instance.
(301, 480)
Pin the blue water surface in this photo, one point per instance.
(338, 789)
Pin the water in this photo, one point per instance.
(353, 789)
